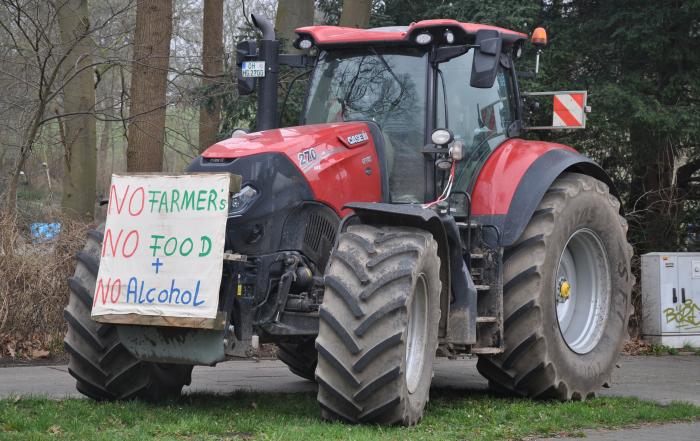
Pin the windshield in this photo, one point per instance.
(387, 86)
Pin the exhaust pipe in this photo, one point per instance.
(265, 26)
(268, 49)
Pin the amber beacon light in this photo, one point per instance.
(539, 37)
(539, 40)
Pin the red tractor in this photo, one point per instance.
(402, 218)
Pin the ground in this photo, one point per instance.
(216, 409)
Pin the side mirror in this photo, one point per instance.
(245, 50)
(486, 58)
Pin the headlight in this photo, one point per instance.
(449, 37)
(424, 38)
(441, 136)
(241, 201)
(305, 44)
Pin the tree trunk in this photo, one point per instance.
(292, 14)
(213, 67)
(149, 78)
(654, 196)
(80, 179)
(355, 13)
(27, 140)
(105, 175)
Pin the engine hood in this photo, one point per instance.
(291, 140)
(340, 162)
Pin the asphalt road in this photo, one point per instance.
(663, 379)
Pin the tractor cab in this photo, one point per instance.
(411, 81)
(405, 94)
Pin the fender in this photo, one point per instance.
(516, 176)
(458, 295)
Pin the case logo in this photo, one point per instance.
(357, 138)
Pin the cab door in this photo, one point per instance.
(479, 118)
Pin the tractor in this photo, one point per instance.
(404, 218)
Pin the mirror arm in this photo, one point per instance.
(446, 53)
(525, 74)
(297, 60)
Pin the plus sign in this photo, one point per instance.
(157, 264)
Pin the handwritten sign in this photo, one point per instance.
(162, 253)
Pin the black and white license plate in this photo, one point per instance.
(253, 69)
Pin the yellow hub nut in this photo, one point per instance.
(564, 290)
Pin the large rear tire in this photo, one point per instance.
(101, 365)
(378, 326)
(566, 295)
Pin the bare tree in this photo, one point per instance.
(79, 126)
(149, 80)
(355, 13)
(213, 66)
(292, 14)
(34, 73)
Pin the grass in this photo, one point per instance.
(663, 350)
(667, 350)
(450, 415)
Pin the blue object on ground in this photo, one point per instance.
(44, 232)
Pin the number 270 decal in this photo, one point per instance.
(307, 156)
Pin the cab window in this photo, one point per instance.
(384, 85)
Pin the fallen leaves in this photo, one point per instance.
(636, 347)
(33, 347)
(55, 429)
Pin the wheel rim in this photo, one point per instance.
(582, 291)
(417, 334)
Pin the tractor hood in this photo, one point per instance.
(336, 163)
(292, 141)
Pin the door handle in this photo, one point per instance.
(675, 297)
(682, 295)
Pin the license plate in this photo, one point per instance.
(253, 69)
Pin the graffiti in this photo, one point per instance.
(685, 315)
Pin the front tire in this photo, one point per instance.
(101, 365)
(379, 323)
(566, 295)
(300, 357)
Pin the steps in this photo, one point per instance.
(485, 268)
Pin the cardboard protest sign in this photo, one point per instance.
(162, 253)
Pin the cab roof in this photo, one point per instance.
(325, 36)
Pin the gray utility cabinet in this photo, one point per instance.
(671, 299)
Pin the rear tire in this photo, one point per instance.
(378, 326)
(300, 357)
(101, 365)
(577, 226)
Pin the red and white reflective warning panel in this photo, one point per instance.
(569, 110)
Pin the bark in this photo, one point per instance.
(79, 182)
(292, 14)
(28, 137)
(355, 13)
(148, 85)
(213, 67)
(105, 175)
(654, 196)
